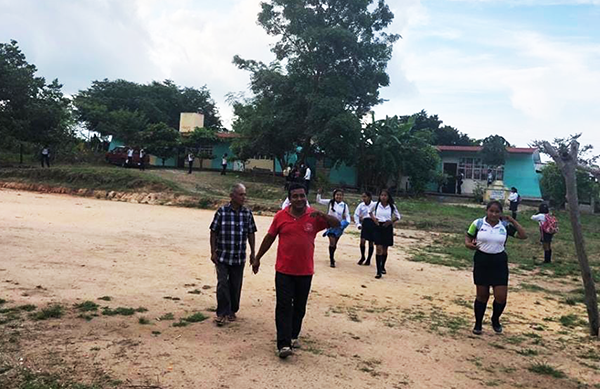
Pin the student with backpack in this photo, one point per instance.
(487, 237)
(384, 215)
(514, 199)
(548, 227)
(339, 209)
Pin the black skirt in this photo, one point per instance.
(490, 269)
(367, 231)
(384, 236)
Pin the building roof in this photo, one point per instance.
(227, 135)
(513, 150)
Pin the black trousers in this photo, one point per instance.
(46, 160)
(292, 295)
(307, 185)
(229, 288)
(223, 169)
(191, 165)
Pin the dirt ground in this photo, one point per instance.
(409, 330)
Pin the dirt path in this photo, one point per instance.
(409, 330)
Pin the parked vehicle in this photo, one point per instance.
(118, 156)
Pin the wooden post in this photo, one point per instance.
(567, 162)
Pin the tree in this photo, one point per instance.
(392, 148)
(123, 108)
(161, 140)
(441, 135)
(31, 111)
(565, 154)
(335, 55)
(200, 137)
(552, 184)
(494, 151)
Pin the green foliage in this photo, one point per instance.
(161, 140)
(493, 153)
(545, 369)
(32, 112)
(335, 56)
(441, 135)
(87, 306)
(392, 148)
(123, 108)
(552, 184)
(106, 311)
(51, 312)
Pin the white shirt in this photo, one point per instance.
(513, 197)
(307, 174)
(384, 214)
(141, 153)
(363, 211)
(45, 151)
(340, 210)
(190, 157)
(287, 202)
(224, 161)
(490, 240)
(540, 218)
(130, 153)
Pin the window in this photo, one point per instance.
(206, 150)
(473, 169)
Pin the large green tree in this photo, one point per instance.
(123, 108)
(393, 148)
(441, 134)
(331, 59)
(31, 111)
(494, 151)
(161, 140)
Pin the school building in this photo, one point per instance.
(519, 170)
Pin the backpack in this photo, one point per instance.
(550, 225)
(479, 224)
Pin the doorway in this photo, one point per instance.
(450, 170)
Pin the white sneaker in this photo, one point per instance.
(285, 352)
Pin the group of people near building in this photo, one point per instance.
(297, 225)
(298, 173)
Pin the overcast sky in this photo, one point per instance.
(527, 69)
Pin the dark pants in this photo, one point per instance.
(142, 165)
(129, 161)
(46, 160)
(223, 169)
(292, 295)
(459, 187)
(307, 185)
(190, 169)
(229, 288)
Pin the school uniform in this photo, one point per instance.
(363, 221)
(384, 235)
(340, 211)
(190, 159)
(307, 177)
(513, 200)
(490, 262)
(544, 236)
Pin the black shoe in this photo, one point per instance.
(477, 330)
(284, 352)
(497, 327)
(361, 261)
(547, 261)
(368, 263)
(383, 271)
(378, 276)
(331, 264)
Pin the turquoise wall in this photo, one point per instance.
(343, 174)
(219, 149)
(171, 162)
(519, 171)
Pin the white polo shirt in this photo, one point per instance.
(384, 214)
(307, 174)
(363, 211)
(490, 239)
(340, 210)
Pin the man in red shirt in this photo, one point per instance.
(297, 226)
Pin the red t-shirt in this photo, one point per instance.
(295, 252)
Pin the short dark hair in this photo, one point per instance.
(514, 189)
(295, 186)
(544, 208)
(494, 202)
(368, 194)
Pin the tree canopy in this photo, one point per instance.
(494, 150)
(441, 135)
(124, 108)
(331, 60)
(31, 110)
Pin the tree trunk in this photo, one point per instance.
(591, 300)
(20, 153)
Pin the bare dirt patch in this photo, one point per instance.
(409, 330)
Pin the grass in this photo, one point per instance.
(167, 316)
(195, 318)
(87, 306)
(92, 177)
(123, 311)
(195, 291)
(54, 311)
(143, 320)
(29, 379)
(571, 320)
(105, 298)
(545, 369)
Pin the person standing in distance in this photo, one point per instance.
(548, 227)
(142, 162)
(46, 156)
(297, 226)
(307, 177)
(232, 225)
(129, 157)
(190, 159)
(487, 237)
(384, 215)
(224, 164)
(362, 218)
(514, 199)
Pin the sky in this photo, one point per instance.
(526, 70)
